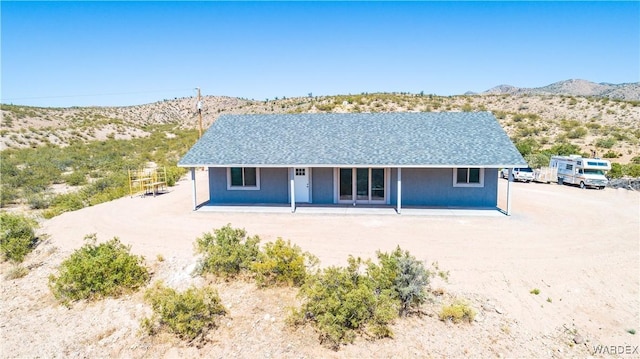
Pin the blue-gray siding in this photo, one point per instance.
(420, 187)
(434, 187)
(274, 187)
(322, 185)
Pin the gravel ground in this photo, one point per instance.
(580, 248)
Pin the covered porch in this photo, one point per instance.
(396, 206)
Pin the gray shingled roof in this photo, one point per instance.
(428, 139)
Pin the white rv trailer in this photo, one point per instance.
(585, 172)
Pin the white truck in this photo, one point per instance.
(524, 174)
(585, 172)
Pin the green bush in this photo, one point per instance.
(616, 171)
(340, 301)
(457, 312)
(563, 149)
(17, 236)
(632, 170)
(39, 201)
(227, 252)
(173, 174)
(187, 315)
(629, 170)
(98, 270)
(8, 195)
(527, 146)
(282, 263)
(402, 276)
(76, 178)
(65, 203)
(606, 142)
(538, 160)
(611, 154)
(578, 132)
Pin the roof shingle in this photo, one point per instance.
(427, 139)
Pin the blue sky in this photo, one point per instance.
(125, 53)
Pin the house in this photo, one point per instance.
(445, 159)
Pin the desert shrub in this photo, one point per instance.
(76, 178)
(341, 301)
(606, 142)
(578, 132)
(173, 174)
(98, 270)
(632, 170)
(457, 312)
(17, 272)
(65, 203)
(527, 146)
(635, 160)
(537, 160)
(282, 263)
(563, 149)
(227, 252)
(500, 115)
(616, 171)
(619, 170)
(569, 125)
(611, 154)
(17, 236)
(8, 195)
(38, 201)
(593, 125)
(402, 276)
(188, 315)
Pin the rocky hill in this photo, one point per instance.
(575, 87)
(590, 117)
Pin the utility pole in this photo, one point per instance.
(199, 107)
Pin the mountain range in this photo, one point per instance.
(574, 87)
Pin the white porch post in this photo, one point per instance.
(399, 190)
(293, 189)
(193, 186)
(509, 180)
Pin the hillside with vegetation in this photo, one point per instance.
(60, 159)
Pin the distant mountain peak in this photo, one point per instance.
(575, 87)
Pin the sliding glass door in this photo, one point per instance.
(368, 184)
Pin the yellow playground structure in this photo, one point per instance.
(147, 181)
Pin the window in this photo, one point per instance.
(468, 177)
(243, 178)
(300, 171)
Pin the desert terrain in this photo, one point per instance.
(579, 248)
(603, 118)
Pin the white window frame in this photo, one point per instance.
(243, 188)
(467, 184)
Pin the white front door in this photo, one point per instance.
(301, 183)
